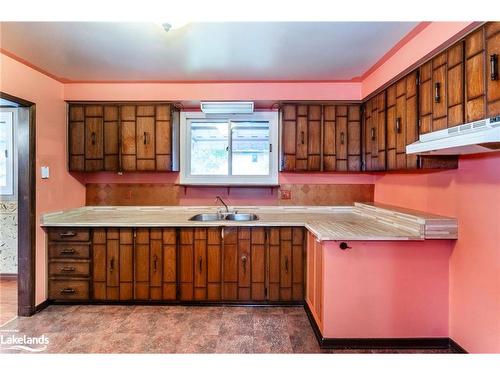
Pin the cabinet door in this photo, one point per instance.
(314, 137)
(112, 255)
(163, 137)
(455, 84)
(286, 265)
(341, 137)
(111, 138)
(155, 264)
(425, 98)
(439, 87)
(128, 143)
(141, 264)
(329, 140)
(169, 267)
(214, 264)
(94, 138)
(230, 264)
(354, 138)
(492, 30)
(400, 125)
(475, 88)
(186, 264)
(244, 264)
(76, 138)
(380, 126)
(391, 127)
(145, 137)
(302, 139)
(289, 136)
(200, 266)
(258, 264)
(368, 131)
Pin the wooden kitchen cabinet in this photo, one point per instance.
(492, 31)
(317, 137)
(93, 137)
(286, 263)
(200, 264)
(112, 263)
(314, 275)
(120, 137)
(374, 131)
(301, 137)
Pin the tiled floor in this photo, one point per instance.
(8, 300)
(171, 329)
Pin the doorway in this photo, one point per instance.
(17, 207)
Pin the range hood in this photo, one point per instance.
(471, 138)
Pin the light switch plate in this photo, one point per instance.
(45, 172)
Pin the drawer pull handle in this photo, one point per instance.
(68, 269)
(302, 137)
(67, 234)
(286, 264)
(494, 67)
(200, 264)
(112, 264)
(437, 94)
(68, 291)
(145, 138)
(342, 138)
(68, 251)
(92, 137)
(155, 263)
(244, 261)
(373, 134)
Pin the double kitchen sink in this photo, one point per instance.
(224, 216)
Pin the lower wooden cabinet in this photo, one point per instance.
(244, 264)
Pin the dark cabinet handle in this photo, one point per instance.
(302, 137)
(286, 264)
(145, 138)
(68, 291)
(68, 269)
(373, 134)
(155, 263)
(244, 261)
(494, 67)
(67, 234)
(342, 138)
(92, 137)
(67, 251)
(200, 264)
(398, 125)
(437, 95)
(112, 264)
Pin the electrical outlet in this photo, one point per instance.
(285, 194)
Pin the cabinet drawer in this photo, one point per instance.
(69, 234)
(69, 268)
(69, 251)
(69, 289)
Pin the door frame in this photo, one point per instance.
(26, 188)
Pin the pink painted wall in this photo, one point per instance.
(472, 194)
(431, 37)
(387, 289)
(214, 91)
(61, 190)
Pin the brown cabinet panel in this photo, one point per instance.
(329, 149)
(492, 69)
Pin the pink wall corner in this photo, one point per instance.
(60, 190)
(214, 91)
(386, 289)
(426, 41)
(472, 194)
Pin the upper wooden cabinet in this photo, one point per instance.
(441, 90)
(374, 133)
(321, 137)
(120, 137)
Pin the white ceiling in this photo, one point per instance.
(106, 51)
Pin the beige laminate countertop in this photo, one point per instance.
(359, 222)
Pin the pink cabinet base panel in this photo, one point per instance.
(385, 289)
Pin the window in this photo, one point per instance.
(237, 149)
(7, 153)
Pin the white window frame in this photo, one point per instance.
(9, 116)
(186, 178)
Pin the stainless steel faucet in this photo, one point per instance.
(218, 198)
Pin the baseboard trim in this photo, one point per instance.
(382, 343)
(42, 306)
(8, 276)
(177, 303)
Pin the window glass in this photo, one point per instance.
(209, 148)
(250, 148)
